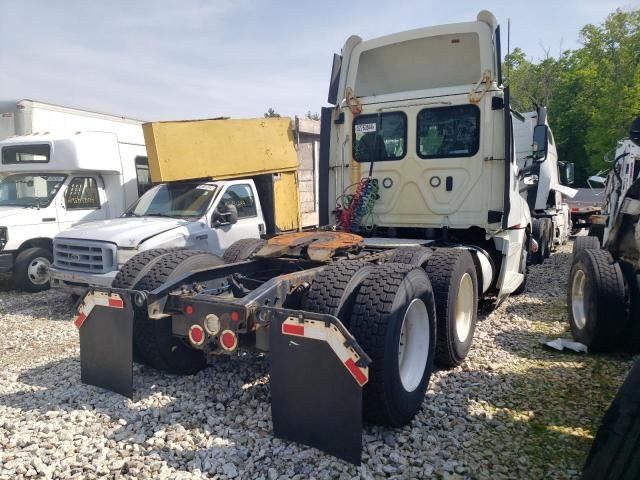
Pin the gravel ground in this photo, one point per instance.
(513, 410)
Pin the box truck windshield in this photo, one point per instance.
(29, 189)
(179, 200)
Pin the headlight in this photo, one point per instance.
(124, 254)
(4, 237)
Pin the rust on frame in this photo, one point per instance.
(317, 246)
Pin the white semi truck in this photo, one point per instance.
(537, 155)
(420, 196)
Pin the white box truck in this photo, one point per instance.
(91, 168)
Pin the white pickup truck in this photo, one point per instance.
(200, 215)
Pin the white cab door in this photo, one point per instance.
(83, 200)
(250, 224)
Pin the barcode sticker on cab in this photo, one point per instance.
(365, 128)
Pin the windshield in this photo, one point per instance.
(174, 200)
(29, 189)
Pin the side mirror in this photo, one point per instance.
(224, 215)
(540, 142)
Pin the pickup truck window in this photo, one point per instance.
(449, 131)
(241, 196)
(82, 194)
(142, 175)
(386, 141)
(181, 200)
(29, 189)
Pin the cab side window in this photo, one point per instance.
(241, 196)
(82, 194)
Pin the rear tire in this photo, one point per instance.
(393, 320)
(584, 243)
(417, 256)
(632, 284)
(614, 452)
(242, 249)
(334, 290)
(540, 233)
(596, 301)
(154, 339)
(31, 269)
(455, 287)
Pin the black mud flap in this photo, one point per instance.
(106, 344)
(316, 391)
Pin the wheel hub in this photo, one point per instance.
(577, 299)
(464, 308)
(413, 348)
(38, 270)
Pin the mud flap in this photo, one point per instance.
(317, 374)
(106, 342)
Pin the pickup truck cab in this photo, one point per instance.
(194, 214)
(51, 182)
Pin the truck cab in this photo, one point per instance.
(51, 182)
(198, 215)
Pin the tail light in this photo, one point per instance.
(228, 340)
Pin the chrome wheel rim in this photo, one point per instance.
(577, 299)
(38, 270)
(464, 308)
(413, 347)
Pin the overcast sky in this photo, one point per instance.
(183, 59)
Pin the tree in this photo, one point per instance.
(271, 113)
(312, 116)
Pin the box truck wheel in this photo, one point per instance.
(455, 288)
(614, 452)
(540, 233)
(417, 256)
(31, 269)
(393, 320)
(596, 300)
(154, 339)
(584, 243)
(334, 290)
(242, 249)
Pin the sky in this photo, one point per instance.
(186, 59)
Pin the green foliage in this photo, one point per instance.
(593, 93)
(312, 115)
(271, 113)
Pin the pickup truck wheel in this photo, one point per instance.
(455, 288)
(242, 249)
(596, 300)
(417, 256)
(393, 320)
(540, 233)
(334, 290)
(584, 243)
(31, 269)
(614, 452)
(130, 274)
(154, 338)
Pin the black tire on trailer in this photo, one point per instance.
(540, 233)
(242, 249)
(154, 338)
(130, 274)
(455, 288)
(596, 230)
(632, 284)
(31, 269)
(550, 235)
(410, 255)
(334, 290)
(596, 301)
(614, 452)
(584, 243)
(393, 320)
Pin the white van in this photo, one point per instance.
(51, 182)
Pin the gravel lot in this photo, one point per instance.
(514, 409)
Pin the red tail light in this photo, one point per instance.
(228, 340)
(196, 335)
